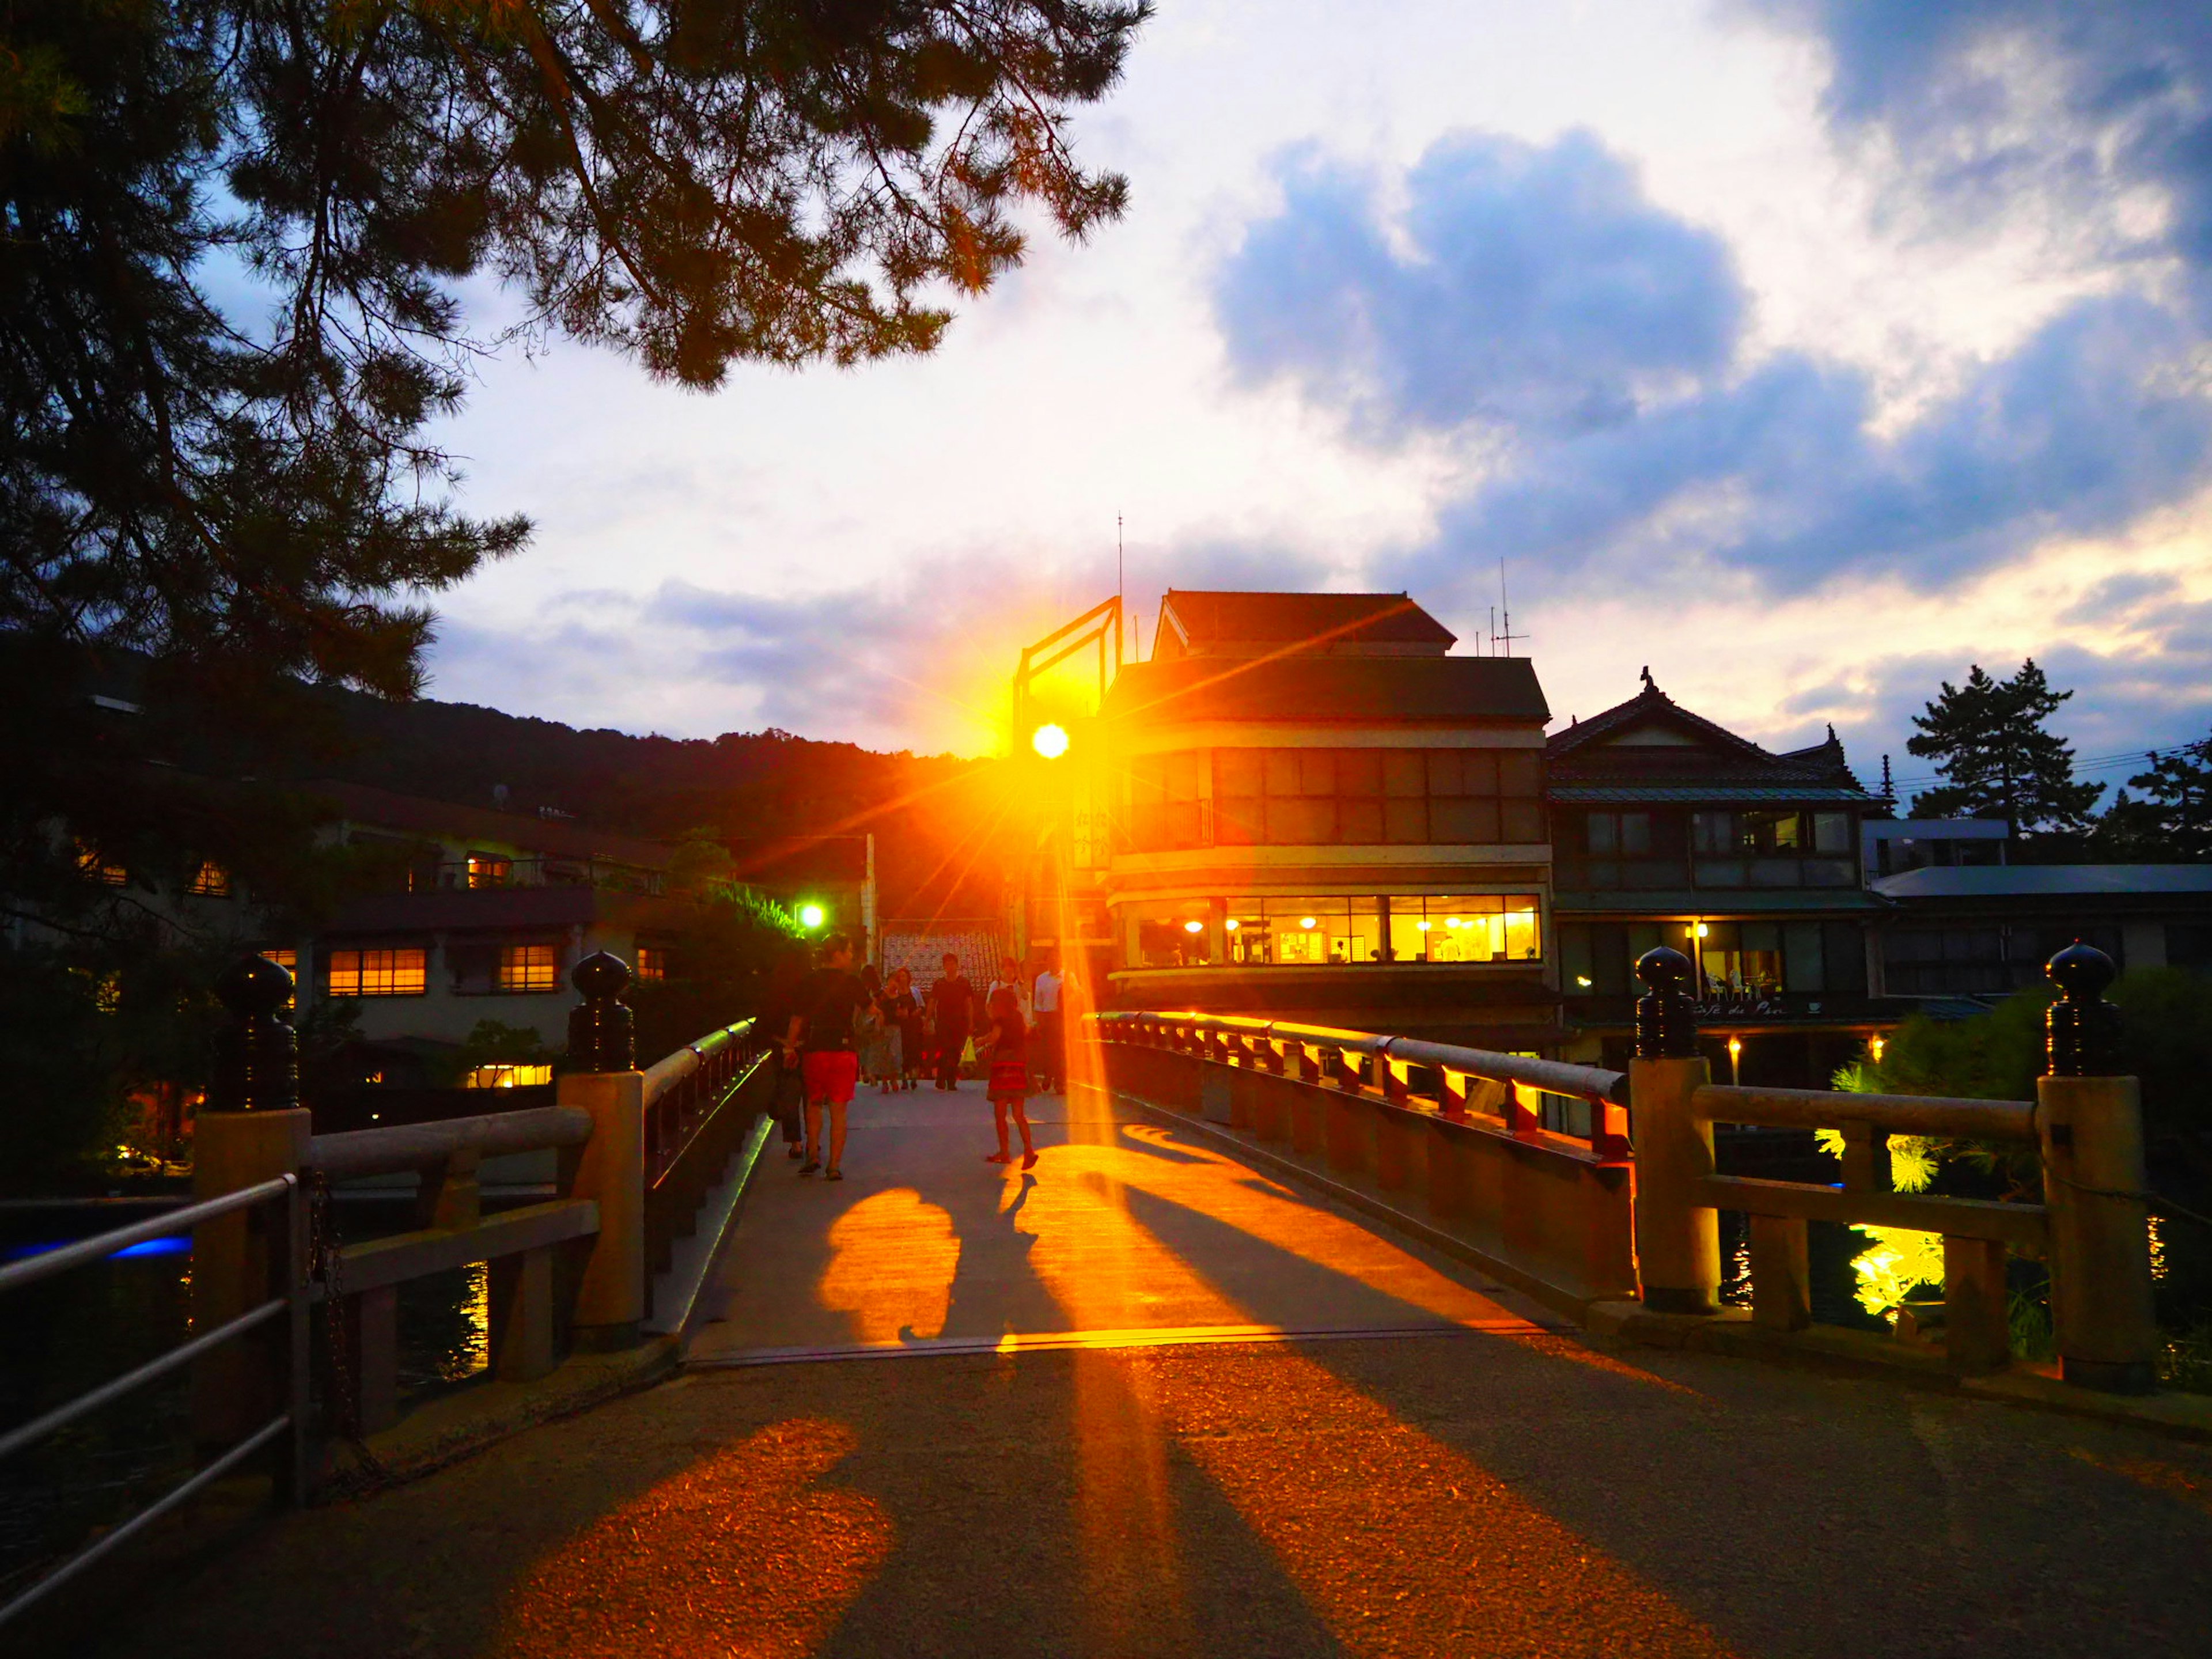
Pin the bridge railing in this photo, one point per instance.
(1457, 1129)
(636, 1152)
(276, 1325)
(1632, 1209)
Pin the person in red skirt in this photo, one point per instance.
(1008, 1049)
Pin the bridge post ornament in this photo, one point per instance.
(2089, 1127)
(257, 1052)
(602, 1030)
(1678, 1248)
(1666, 1014)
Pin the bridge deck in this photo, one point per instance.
(1457, 1480)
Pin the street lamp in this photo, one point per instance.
(811, 916)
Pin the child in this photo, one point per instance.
(1008, 1048)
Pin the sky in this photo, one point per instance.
(1807, 351)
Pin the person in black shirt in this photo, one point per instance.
(822, 1036)
(785, 1000)
(951, 1003)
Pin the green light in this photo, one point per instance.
(811, 916)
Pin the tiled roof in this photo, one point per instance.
(1590, 753)
(1718, 789)
(1365, 689)
(1210, 617)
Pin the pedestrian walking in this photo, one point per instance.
(782, 1003)
(822, 1035)
(872, 1033)
(952, 1006)
(904, 1009)
(1006, 1055)
(1048, 1052)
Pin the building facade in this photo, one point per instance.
(1320, 813)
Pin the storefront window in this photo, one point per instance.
(1174, 934)
(1322, 932)
(1474, 927)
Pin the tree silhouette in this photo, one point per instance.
(1988, 741)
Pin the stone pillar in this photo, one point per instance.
(604, 1082)
(1677, 1246)
(2089, 1123)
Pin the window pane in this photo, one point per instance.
(1282, 771)
(1238, 823)
(1316, 771)
(1406, 822)
(1831, 832)
(1310, 931)
(529, 968)
(1602, 833)
(1522, 943)
(1183, 775)
(1409, 938)
(1301, 821)
(1147, 779)
(1636, 834)
(1461, 822)
(1359, 823)
(1173, 934)
(1405, 773)
(1466, 928)
(1520, 772)
(1802, 967)
(1249, 932)
(1479, 771)
(1238, 771)
(1358, 771)
(1712, 832)
(1524, 821)
(1447, 776)
(379, 973)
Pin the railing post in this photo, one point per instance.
(252, 1129)
(1678, 1245)
(603, 1081)
(2089, 1122)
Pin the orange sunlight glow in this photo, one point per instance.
(784, 1555)
(893, 1261)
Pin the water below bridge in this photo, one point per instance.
(1144, 1400)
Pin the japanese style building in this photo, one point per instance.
(1324, 815)
(1670, 829)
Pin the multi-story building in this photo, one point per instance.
(1670, 829)
(1322, 814)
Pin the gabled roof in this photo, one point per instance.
(1368, 689)
(1654, 746)
(1208, 620)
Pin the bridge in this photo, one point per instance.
(1295, 1341)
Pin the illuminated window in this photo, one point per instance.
(210, 880)
(95, 866)
(504, 1076)
(402, 973)
(487, 870)
(651, 964)
(289, 960)
(529, 968)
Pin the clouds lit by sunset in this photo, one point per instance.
(1805, 350)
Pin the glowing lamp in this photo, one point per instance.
(1701, 930)
(1050, 741)
(1876, 1045)
(1232, 924)
(1194, 927)
(1736, 1048)
(1582, 979)
(1425, 926)
(811, 916)
(1306, 921)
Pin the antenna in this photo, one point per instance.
(1491, 648)
(1118, 595)
(1509, 635)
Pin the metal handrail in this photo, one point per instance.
(293, 1301)
(100, 1246)
(674, 1156)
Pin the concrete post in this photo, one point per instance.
(610, 1306)
(2089, 1123)
(1677, 1246)
(253, 1130)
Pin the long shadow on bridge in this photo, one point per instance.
(1151, 1402)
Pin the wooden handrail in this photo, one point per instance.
(672, 1069)
(1909, 1115)
(411, 1145)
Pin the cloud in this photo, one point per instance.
(1535, 289)
(1992, 104)
(1587, 348)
